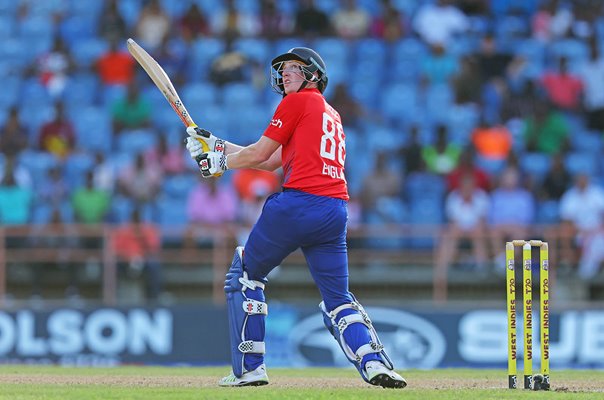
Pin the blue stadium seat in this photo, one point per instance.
(86, 51)
(216, 120)
(248, 6)
(425, 186)
(332, 50)
(425, 212)
(582, 163)
(81, 90)
(11, 86)
(461, 121)
(439, 98)
(202, 53)
(121, 209)
(179, 186)
(172, 215)
(399, 101)
(110, 94)
(94, 129)
(197, 96)
(283, 45)
(535, 164)
(586, 141)
(136, 141)
(75, 168)
(371, 49)
(33, 92)
(236, 96)
(77, 28)
(575, 50)
(175, 9)
(37, 163)
(256, 49)
(249, 125)
(87, 9)
(8, 7)
(130, 10)
(36, 27)
(548, 212)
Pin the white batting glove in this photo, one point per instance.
(212, 164)
(195, 147)
(208, 141)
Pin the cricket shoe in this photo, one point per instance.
(379, 375)
(257, 377)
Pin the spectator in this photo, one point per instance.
(493, 142)
(592, 77)
(21, 174)
(231, 66)
(492, 63)
(15, 200)
(273, 23)
(249, 182)
(173, 62)
(380, 193)
(546, 131)
(390, 24)
(54, 67)
(350, 110)
(13, 135)
(53, 189)
(132, 111)
(193, 24)
(153, 25)
(211, 203)
(557, 179)
(90, 205)
(466, 87)
(438, 23)
(411, 152)
(103, 173)
(310, 21)
(552, 21)
(442, 156)
(138, 244)
(477, 8)
(563, 89)
(140, 181)
(521, 104)
(438, 67)
(231, 23)
(116, 66)
(582, 212)
(467, 166)
(512, 211)
(350, 21)
(112, 26)
(168, 156)
(466, 210)
(57, 136)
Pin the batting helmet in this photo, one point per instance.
(312, 62)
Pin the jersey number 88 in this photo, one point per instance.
(329, 141)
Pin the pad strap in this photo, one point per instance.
(249, 346)
(253, 307)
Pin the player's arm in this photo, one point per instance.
(264, 154)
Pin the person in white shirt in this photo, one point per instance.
(466, 210)
(437, 23)
(582, 212)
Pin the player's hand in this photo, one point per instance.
(208, 141)
(212, 164)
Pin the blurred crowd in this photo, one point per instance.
(485, 117)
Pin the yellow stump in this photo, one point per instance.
(544, 300)
(528, 314)
(511, 308)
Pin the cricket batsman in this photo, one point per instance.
(305, 138)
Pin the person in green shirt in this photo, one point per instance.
(132, 111)
(90, 205)
(546, 131)
(442, 156)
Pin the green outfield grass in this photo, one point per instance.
(32, 382)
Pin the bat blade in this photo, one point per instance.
(161, 80)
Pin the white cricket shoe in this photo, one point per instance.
(256, 377)
(379, 375)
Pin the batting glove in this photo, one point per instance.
(212, 164)
(204, 137)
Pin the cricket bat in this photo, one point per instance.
(163, 83)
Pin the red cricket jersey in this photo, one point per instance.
(313, 144)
